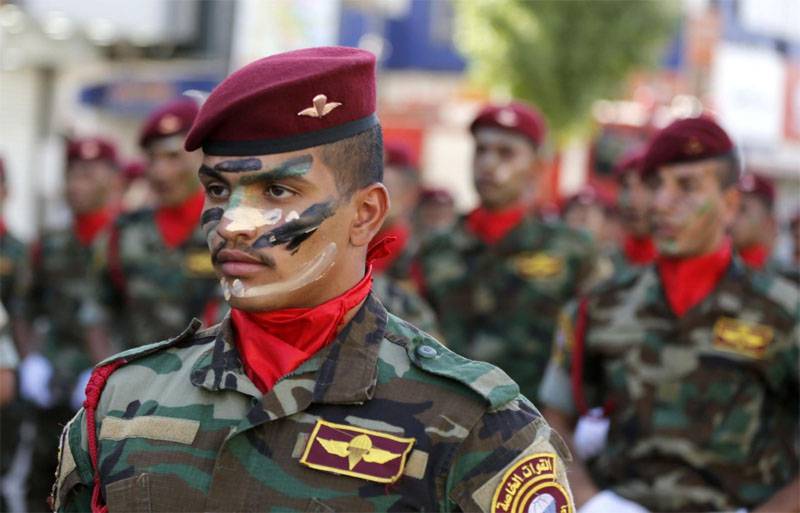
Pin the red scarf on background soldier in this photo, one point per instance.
(177, 223)
(688, 281)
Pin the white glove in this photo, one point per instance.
(79, 392)
(590, 434)
(609, 502)
(35, 372)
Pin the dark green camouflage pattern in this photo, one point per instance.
(61, 287)
(491, 306)
(198, 436)
(162, 288)
(695, 425)
(15, 275)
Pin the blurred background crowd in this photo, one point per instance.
(91, 124)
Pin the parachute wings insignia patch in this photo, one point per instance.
(538, 265)
(356, 452)
(742, 337)
(530, 486)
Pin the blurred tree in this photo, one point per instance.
(562, 55)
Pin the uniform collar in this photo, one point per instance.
(343, 372)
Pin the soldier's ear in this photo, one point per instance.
(371, 205)
(731, 198)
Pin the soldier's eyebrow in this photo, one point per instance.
(205, 170)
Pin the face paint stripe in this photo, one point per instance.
(300, 229)
(239, 165)
(212, 215)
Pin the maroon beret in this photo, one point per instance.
(437, 196)
(589, 195)
(397, 154)
(133, 170)
(631, 162)
(288, 102)
(172, 118)
(91, 148)
(686, 140)
(760, 186)
(514, 116)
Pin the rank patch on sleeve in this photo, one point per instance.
(538, 265)
(740, 337)
(530, 487)
(356, 452)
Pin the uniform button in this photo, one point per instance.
(427, 352)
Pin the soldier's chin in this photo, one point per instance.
(260, 304)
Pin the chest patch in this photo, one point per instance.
(530, 487)
(538, 265)
(356, 452)
(742, 337)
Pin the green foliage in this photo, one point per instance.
(561, 55)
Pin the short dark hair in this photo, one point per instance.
(730, 172)
(356, 161)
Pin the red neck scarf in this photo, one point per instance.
(639, 250)
(177, 223)
(3, 228)
(273, 344)
(687, 281)
(755, 256)
(492, 225)
(397, 236)
(87, 226)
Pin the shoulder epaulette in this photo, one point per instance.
(135, 353)
(489, 382)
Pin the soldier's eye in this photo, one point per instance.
(279, 192)
(216, 191)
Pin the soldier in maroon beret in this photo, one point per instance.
(62, 265)
(498, 278)
(691, 361)
(435, 212)
(309, 395)
(132, 282)
(755, 227)
(633, 202)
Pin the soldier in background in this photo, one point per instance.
(62, 260)
(693, 359)
(309, 396)
(393, 282)
(435, 212)
(14, 333)
(755, 228)
(633, 202)
(498, 278)
(155, 274)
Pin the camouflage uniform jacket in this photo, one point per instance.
(15, 275)
(61, 286)
(182, 428)
(153, 290)
(703, 408)
(499, 303)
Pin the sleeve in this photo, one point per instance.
(103, 294)
(510, 462)
(72, 490)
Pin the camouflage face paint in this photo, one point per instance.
(309, 273)
(238, 165)
(294, 232)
